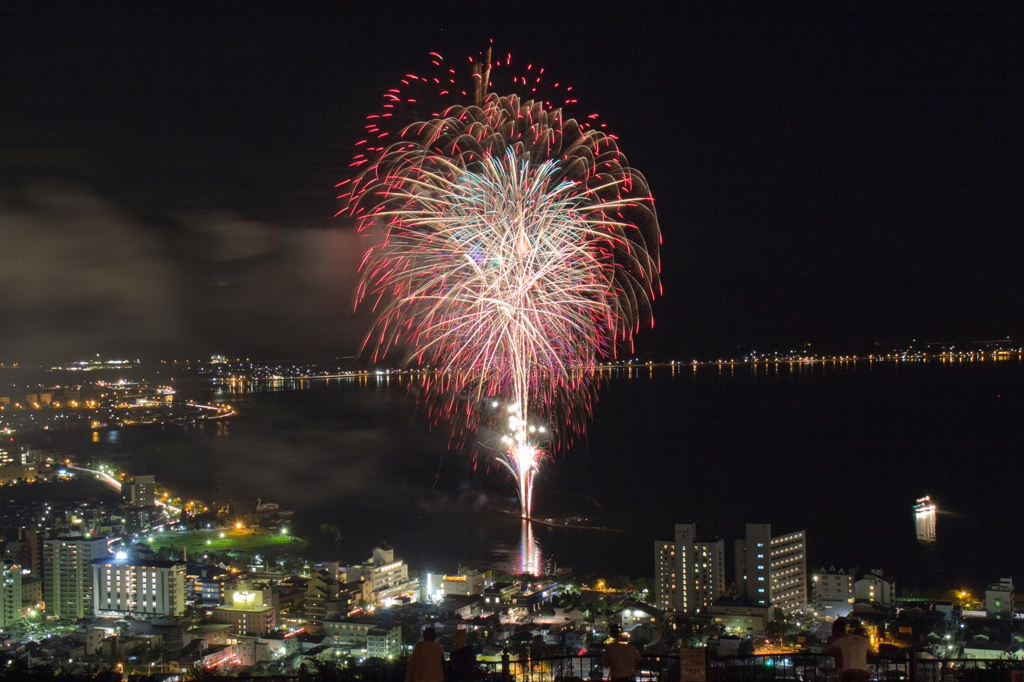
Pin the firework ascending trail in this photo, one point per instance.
(519, 249)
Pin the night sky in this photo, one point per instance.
(847, 180)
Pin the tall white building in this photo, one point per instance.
(388, 576)
(875, 587)
(141, 492)
(142, 587)
(68, 575)
(999, 600)
(833, 592)
(689, 572)
(665, 576)
(384, 642)
(772, 570)
(10, 593)
(247, 608)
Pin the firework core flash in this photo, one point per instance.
(519, 250)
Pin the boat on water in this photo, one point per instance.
(578, 522)
(262, 506)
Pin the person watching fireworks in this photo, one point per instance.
(620, 657)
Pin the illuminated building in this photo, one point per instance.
(382, 570)
(468, 582)
(10, 594)
(527, 597)
(327, 569)
(319, 590)
(14, 473)
(499, 593)
(999, 600)
(25, 552)
(247, 609)
(31, 591)
(68, 575)
(251, 650)
(873, 586)
(636, 613)
(665, 576)
(532, 596)
(833, 593)
(350, 633)
(836, 591)
(772, 570)
(206, 583)
(354, 595)
(138, 586)
(141, 492)
(740, 616)
(384, 642)
(690, 572)
(388, 577)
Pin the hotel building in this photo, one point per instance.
(139, 587)
(68, 575)
(772, 571)
(689, 572)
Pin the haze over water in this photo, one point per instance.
(841, 450)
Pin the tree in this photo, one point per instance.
(619, 582)
(775, 630)
(334, 531)
(194, 614)
(201, 674)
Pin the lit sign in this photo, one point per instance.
(244, 598)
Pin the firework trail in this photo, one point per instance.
(519, 249)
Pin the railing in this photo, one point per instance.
(804, 667)
(541, 669)
(572, 669)
(796, 667)
(768, 668)
(967, 670)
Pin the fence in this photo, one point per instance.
(821, 668)
(797, 667)
(573, 669)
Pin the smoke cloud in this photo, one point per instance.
(80, 276)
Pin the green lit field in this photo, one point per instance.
(226, 540)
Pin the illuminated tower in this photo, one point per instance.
(690, 572)
(68, 577)
(772, 570)
(10, 593)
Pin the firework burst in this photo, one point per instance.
(519, 249)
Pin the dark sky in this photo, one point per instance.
(834, 178)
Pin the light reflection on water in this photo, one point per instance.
(525, 557)
(531, 558)
(241, 387)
